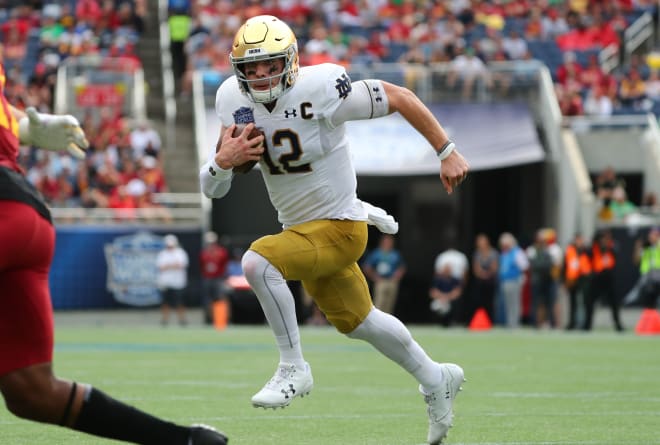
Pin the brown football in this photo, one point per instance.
(246, 167)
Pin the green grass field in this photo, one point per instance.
(523, 387)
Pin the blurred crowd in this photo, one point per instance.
(124, 166)
(126, 163)
(469, 35)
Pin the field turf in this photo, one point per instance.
(523, 387)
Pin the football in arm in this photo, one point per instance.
(247, 166)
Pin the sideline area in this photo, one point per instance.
(151, 317)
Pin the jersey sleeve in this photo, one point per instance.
(224, 100)
(336, 87)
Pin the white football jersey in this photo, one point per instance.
(307, 165)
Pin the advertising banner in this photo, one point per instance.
(99, 267)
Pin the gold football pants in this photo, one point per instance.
(323, 255)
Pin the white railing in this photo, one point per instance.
(636, 34)
(171, 209)
(608, 58)
(577, 206)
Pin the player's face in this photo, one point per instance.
(264, 74)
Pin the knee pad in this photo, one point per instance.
(250, 262)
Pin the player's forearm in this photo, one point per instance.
(18, 115)
(408, 105)
(214, 181)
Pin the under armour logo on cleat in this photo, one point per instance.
(290, 391)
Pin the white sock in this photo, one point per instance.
(278, 305)
(388, 335)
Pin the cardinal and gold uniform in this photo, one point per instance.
(28, 240)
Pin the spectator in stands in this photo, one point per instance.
(553, 23)
(490, 44)
(123, 203)
(358, 55)
(569, 65)
(338, 42)
(580, 38)
(450, 32)
(515, 45)
(172, 263)
(64, 196)
(652, 86)
(632, 90)
(620, 206)
(144, 140)
(19, 25)
(51, 27)
(14, 47)
(468, 68)
(489, 14)
(377, 45)
(148, 208)
(592, 75)
(152, 175)
(603, 34)
(398, 30)
(598, 103)
(570, 102)
(534, 26)
(318, 43)
(88, 11)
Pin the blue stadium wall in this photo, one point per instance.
(78, 277)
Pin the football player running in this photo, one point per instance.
(27, 382)
(305, 162)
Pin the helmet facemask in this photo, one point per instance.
(265, 38)
(274, 91)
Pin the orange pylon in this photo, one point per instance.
(480, 321)
(649, 323)
(220, 314)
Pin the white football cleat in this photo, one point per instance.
(288, 383)
(441, 401)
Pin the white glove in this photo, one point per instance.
(53, 132)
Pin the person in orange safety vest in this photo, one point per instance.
(577, 277)
(603, 260)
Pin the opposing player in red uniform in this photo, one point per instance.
(27, 239)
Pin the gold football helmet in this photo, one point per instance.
(265, 37)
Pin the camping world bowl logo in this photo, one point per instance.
(132, 269)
